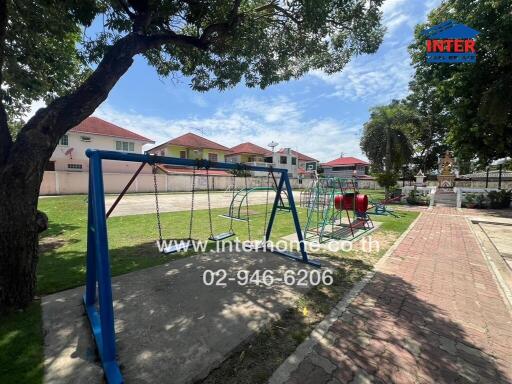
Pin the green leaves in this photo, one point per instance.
(41, 59)
(386, 136)
(255, 41)
(475, 99)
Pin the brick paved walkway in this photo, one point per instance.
(431, 314)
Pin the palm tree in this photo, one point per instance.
(385, 139)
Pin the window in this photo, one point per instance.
(85, 139)
(74, 166)
(162, 152)
(183, 154)
(64, 140)
(294, 161)
(283, 160)
(212, 156)
(50, 166)
(127, 146)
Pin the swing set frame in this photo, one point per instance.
(98, 292)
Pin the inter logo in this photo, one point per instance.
(450, 42)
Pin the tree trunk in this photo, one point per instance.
(22, 161)
(19, 231)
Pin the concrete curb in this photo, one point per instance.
(492, 258)
(318, 335)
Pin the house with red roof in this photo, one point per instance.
(191, 146)
(346, 167)
(252, 154)
(305, 165)
(298, 164)
(96, 133)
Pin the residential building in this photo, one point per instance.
(251, 154)
(307, 165)
(298, 164)
(190, 146)
(346, 167)
(95, 133)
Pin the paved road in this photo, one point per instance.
(136, 204)
(432, 313)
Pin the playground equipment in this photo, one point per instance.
(307, 194)
(330, 198)
(380, 207)
(242, 195)
(98, 292)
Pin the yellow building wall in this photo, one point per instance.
(174, 151)
(220, 154)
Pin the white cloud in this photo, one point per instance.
(385, 75)
(250, 119)
(378, 80)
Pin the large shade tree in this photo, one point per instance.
(385, 139)
(475, 99)
(386, 142)
(217, 44)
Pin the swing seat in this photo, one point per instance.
(173, 248)
(222, 236)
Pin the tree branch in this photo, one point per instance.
(126, 8)
(5, 135)
(42, 132)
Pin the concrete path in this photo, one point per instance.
(432, 313)
(170, 326)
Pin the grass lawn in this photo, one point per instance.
(132, 247)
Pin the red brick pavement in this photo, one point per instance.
(432, 314)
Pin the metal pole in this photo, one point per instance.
(499, 176)
(487, 179)
(125, 189)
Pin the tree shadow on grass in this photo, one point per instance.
(389, 334)
(59, 270)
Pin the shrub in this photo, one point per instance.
(387, 180)
(499, 199)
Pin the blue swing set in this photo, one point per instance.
(98, 292)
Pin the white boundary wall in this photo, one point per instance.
(67, 183)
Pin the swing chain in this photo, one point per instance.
(192, 203)
(247, 205)
(159, 224)
(266, 207)
(232, 205)
(209, 203)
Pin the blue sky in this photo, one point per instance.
(319, 115)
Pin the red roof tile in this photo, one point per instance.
(96, 126)
(344, 161)
(299, 155)
(193, 141)
(249, 148)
